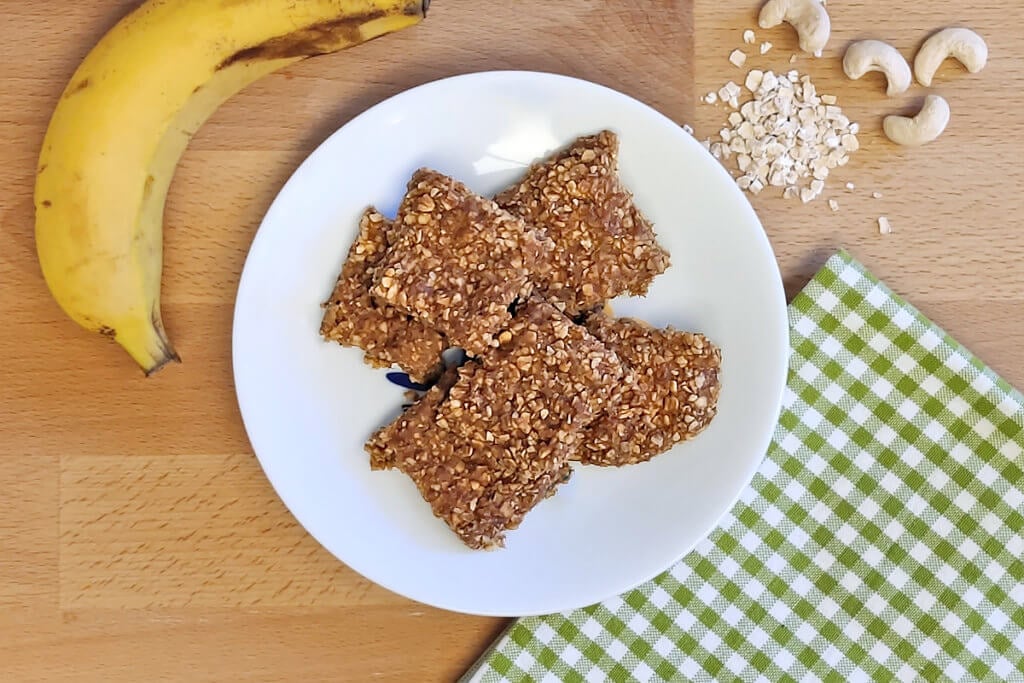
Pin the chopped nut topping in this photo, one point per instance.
(669, 393)
(884, 226)
(738, 57)
(604, 246)
(748, 37)
(459, 262)
(550, 373)
(491, 439)
(479, 489)
(353, 318)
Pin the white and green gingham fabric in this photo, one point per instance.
(882, 538)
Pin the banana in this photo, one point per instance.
(126, 117)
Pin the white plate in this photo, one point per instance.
(309, 405)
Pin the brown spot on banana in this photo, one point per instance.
(78, 87)
(46, 203)
(306, 42)
(317, 39)
(108, 332)
(148, 187)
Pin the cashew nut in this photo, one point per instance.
(874, 55)
(808, 17)
(962, 44)
(925, 127)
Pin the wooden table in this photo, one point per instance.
(139, 539)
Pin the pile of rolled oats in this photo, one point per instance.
(786, 136)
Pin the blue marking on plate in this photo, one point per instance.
(402, 380)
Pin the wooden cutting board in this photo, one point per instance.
(139, 539)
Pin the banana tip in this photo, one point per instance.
(170, 356)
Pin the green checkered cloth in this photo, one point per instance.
(881, 538)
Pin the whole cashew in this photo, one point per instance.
(808, 17)
(874, 55)
(963, 44)
(925, 127)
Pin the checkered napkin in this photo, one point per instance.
(881, 539)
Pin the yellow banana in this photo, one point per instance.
(124, 121)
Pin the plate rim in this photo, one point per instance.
(778, 297)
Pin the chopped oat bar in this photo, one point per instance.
(459, 261)
(353, 318)
(548, 379)
(479, 489)
(604, 245)
(670, 393)
(416, 424)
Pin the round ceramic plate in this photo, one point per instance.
(309, 405)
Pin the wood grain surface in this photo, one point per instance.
(139, 540)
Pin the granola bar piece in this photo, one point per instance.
(479, 489)
(416, 426)
(459, 261)
(670, 393)
(353, 318)
(604, 246)
(547, 380)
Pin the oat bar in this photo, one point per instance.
(604, 246)
(353, 318)
(479, 489)
(548, 379)
(459, 261)
(670, 393)
(416, 425)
